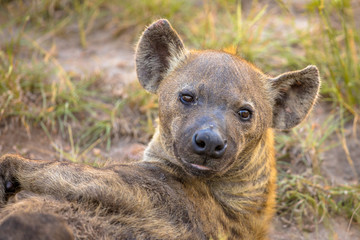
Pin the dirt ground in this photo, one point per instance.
(114, 59)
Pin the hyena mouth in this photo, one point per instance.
(193, 168)
(196, 166)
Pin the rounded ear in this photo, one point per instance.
(158, 51)
(294, 95)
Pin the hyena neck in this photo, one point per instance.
(157, 153)
(245, 188)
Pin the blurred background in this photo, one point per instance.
(68, 89)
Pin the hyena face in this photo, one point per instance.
(213, 106)
(216, 107)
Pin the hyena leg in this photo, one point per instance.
(25, 225)
(29, 214)
(61, 179)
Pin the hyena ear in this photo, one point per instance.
(295, 94)
(158, 50)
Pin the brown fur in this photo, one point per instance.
(34, 226)
(175, 193)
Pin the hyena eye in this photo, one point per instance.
(245, 114)
(186, 98)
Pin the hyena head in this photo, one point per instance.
(215, 107)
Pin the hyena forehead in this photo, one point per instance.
(217, 72)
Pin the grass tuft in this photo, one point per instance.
(311, 199)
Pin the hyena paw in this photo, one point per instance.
(8, 182)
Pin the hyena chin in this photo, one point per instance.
(208, 173)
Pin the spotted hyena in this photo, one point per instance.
(208, 173)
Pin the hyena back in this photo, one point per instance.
(209, 171)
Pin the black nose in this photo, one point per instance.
(208, 142)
